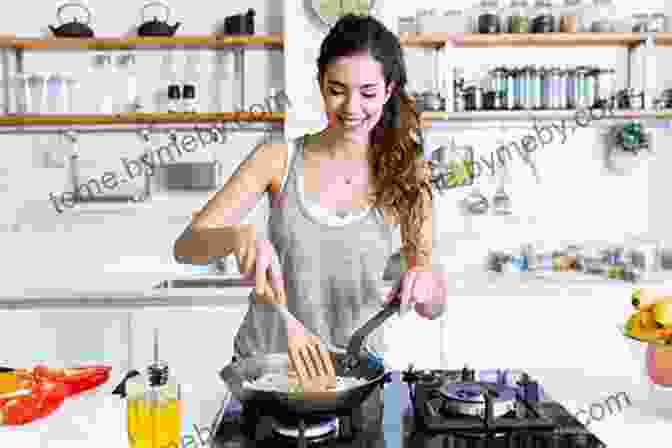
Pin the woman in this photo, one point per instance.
(342, 191)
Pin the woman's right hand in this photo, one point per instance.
(258, 261)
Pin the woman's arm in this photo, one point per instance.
(212, 231)
(422, 257)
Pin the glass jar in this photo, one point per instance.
(604, 17)
(658, 22)
(571, 18)
(489, 20)
(518, 20)
(454, 21)
(640, 23)
(407, 24)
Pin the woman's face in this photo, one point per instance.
(354, 93)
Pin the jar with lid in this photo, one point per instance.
(658, 22)
(489, 20)
(603, 17)
(563, 87)
(581, 86)
(640, 23)
(427, 20)
(543, 21)
(571, 17)
(518, 20)
(606, 80)
(454, 21)
(571, 89)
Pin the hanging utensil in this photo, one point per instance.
(75, 28)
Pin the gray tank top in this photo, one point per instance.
(333, 272)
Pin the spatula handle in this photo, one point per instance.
(358, 337)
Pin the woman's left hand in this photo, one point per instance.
(424, 289)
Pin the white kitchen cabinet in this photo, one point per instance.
(196, 343)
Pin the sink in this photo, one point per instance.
(391, 275)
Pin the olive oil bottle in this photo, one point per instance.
(154, 407)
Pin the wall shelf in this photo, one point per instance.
(475, 40)
(124, 43)
(137, 119)
(526, 118)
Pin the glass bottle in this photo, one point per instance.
(105, 75)
(126, 67)
(604, 16)
(489, 20)
(543, 21)
(154, 407)
(571, 18)
(518, 19)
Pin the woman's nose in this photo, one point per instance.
(352, 104)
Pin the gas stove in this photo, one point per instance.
(247, 427)
(486, 409)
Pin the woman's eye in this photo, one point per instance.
(335, 92)
(368, 95)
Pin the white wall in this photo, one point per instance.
(77, 251)
(577, 199)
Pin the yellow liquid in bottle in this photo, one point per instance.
(154, 424)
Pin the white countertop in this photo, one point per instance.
(98, 419)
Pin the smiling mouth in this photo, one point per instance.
(351, 123)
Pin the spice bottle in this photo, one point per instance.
(174, 96)
(570, 20)
(189, 102)
(518, 20)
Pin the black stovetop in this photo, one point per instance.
(556, 427)
(535, 422)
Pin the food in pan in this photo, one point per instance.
(653, 319)
(276, 382)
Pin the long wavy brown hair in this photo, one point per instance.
(400, 173)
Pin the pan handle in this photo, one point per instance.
(357, 340)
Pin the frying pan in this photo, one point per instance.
(356, 362)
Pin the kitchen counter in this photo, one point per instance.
(97, 418)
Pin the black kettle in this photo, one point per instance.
(74, 28)
(155, 27)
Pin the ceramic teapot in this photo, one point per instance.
(156, 27)
(74, 28)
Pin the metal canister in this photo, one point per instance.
(557, 89)
(570, 88)
(511, 89)
(536, 77)
(546, 88)
(605, 86)
(499, 85)
(559, 84)
(529, 87)
(581, 87)
(520, 92)
(591, 86)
